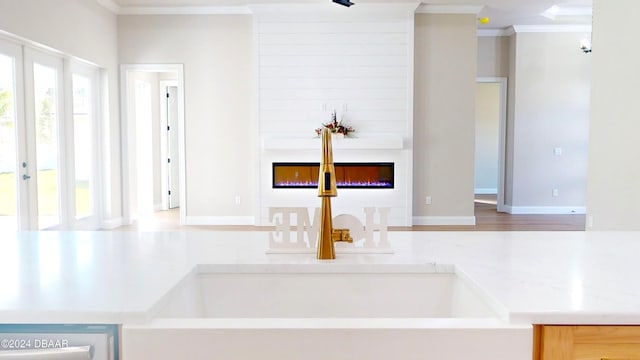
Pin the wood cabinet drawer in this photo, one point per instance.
(560, 342)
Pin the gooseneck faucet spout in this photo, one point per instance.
(326, 190)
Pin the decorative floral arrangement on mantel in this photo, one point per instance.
(336, 127)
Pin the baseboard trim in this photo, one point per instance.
(485, 191)
(545, 210)
(220, 220)
(444, 220)
(110, 224)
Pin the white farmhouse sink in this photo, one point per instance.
(326, 311)
(282, 292)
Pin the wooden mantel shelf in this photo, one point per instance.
(369, 142)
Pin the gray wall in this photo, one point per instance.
(444, 114)
(550, 109)
(493, 56)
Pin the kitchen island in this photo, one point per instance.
(529, 278)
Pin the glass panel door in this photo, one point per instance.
(84, 184)
(48, 162)
(83, 145)
(14, 192)
(8, 144)
(47, 118)
(43, 85)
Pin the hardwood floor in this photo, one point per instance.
(487, 219)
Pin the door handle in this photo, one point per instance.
(25, 177)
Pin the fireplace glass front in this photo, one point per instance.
(348, 175)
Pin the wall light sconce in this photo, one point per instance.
(585, 46)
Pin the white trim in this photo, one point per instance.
(385, 9)
(496, 32)
(104, 145)
(449, 9)
(110, 224)
(257, 201)
(220, 220)
(552, 28)
(545, 210)
(444, 220)
(485, 191)
(184, 10)
(110, 5)
(410, 121)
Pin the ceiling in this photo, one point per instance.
(502, 13)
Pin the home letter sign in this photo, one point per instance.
(286, 219)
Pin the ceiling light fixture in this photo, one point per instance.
(346, 3)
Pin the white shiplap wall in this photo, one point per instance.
(328, 58)
(312, 59)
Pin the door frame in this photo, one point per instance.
(128, 141)
(502, 136)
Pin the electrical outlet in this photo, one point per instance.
(554, 193)
(590, 221)
(238, 200)
(427, 200)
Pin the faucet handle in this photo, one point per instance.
(341, 235)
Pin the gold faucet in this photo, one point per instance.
(326, 190)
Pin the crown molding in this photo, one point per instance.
(449, 9)
(391, 9)
(551, 28)
(183, 10)
(110, 5)
(243, 10)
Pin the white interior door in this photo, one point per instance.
(172, 147)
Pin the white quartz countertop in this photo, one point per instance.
(118, 277)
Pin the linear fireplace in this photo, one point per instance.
(348, 175)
